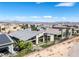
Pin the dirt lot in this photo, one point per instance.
(58, 50)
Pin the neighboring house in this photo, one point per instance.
(66, 32)
(37, 37)
(8, 27)
(75, 29)
(27, 35)
(6, 43)
(53, 34)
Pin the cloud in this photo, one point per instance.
(64, 18)
(31, 18)
(48, 17)
(66, 4)
(21, 17)
(41, 17)
(35, 17)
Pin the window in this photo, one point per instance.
(34, 41)
(77, 31)
(64, 34)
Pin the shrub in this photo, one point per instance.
(25, 48)
(22, 44)
(47, 45)
(21, 53)
(29, 45)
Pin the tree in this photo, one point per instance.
(43, 28)
(24, 26)
(33, 27)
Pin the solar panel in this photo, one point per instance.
(4, 39)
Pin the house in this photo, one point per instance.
(52, 34)
(37, 37)
(66, 32)
(8, 27)
(6, 43)
(75, 29)
(28, 35)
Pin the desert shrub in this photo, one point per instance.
(22, 44)
(26, 48)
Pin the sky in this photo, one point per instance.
(39, 11)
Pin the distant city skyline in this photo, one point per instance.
(39, 11)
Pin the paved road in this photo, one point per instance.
(74, 51)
